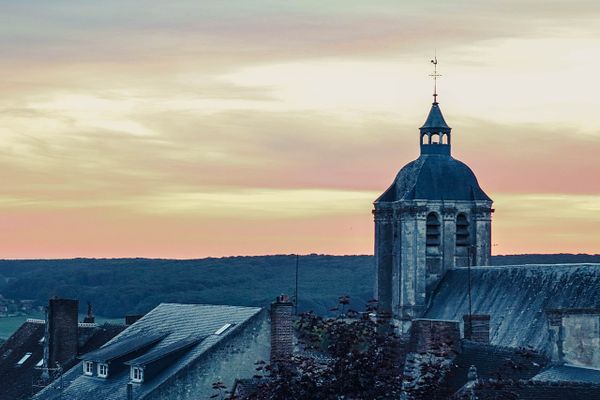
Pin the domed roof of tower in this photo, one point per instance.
(435, 121)
(434, 177)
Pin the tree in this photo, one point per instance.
(344, 357)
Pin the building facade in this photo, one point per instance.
(433, 218)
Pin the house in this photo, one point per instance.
(176, 351)
(41, 350)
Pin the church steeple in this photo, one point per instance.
(435, 132)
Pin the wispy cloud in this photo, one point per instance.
(195, 114)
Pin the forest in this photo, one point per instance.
(117, 287)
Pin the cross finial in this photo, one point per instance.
(435, 75)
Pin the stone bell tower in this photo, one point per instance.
(434, 217)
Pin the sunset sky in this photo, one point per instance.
(199, 128)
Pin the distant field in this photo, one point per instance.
(10, 324)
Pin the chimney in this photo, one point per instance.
(89, 318)
(132, 319)
(129, 391)
(62, 331)
(435, 336)
(477, 328)
(282, 332)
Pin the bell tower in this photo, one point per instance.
(434, 217)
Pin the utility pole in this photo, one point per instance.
(296, 290)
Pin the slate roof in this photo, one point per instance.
(176, 321)
(435, 121)
(17, 382)
(529, 390)
(122, 348)
(494, 362)
(434, 177)
(516, 298)
(567, 373)
(160, 352)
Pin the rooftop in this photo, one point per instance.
(17, 382)
(567, 373)
(194, 324)
(517, 298)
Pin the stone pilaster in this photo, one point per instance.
(384, 243)
(482, 215)
(448, 236)
(412, 260)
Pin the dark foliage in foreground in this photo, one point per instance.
(349, 357)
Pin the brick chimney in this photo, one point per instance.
(282, 331)
(62, 339)
(477, 328)
(434, 336)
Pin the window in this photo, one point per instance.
(23, 359)
(88, 368)
(432, 230)
(462, 230)
(40, 363)
(102, 370)
(137, 374)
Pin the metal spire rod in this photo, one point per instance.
(435, 75)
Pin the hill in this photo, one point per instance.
(135, 285)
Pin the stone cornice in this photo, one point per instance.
(383, 215)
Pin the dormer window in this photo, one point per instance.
(137, 374)
(102, 370)
(88, 368)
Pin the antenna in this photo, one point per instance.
(435, 75)
(296, 292)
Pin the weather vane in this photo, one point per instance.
(435, 75)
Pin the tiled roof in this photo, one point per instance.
(177, 322)
(516, 298)
(566, 373)
(18, 382)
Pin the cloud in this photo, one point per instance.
(120, 117)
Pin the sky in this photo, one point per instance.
(187, 129)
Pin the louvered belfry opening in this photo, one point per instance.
(462, 230)
(432, 230)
